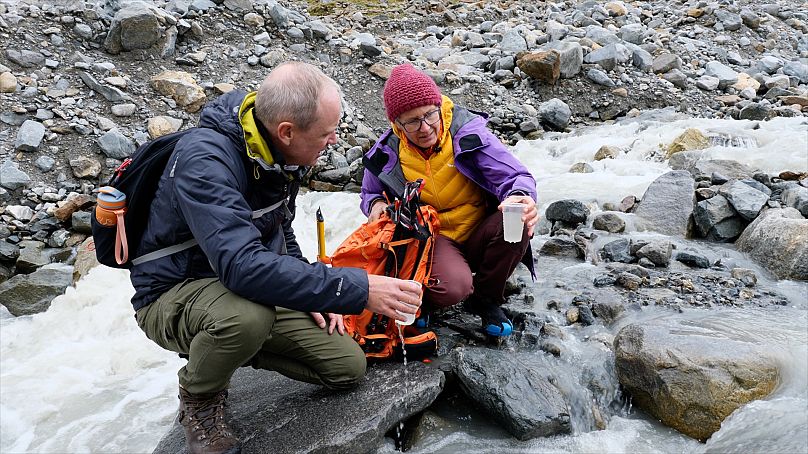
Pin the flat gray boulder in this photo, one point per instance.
(274, 414)
(26, 294)
(518, 397)
(667, 205)
(778, 240)
(691, 378)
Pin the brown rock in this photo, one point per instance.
(802, 101)
(628, 204)
(622, 92)
(691, 139)
(544, 66)
(85, 167)
(746, 81)
(381, 71)
(616, 9)
(85, 259)
(181, 87)
(607, 152)
(322, 186)
(8, 83)
(73, 203)
(162, 125)
(224, 88)
(729, 100)
(695, 12)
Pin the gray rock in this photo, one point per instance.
(111, 94)
(11, 177)
(601, 36)
(778, 240)
(571, 56)
(570, 211)
(609, 56)
(691, 379)
(745, 199)
(714, 218)
(561, 247)
(279, 15)
(618, 251)
(521, 399)
(658, 252)
(641, 59)
(26, 294)
(238, 5)
(726, 75)
(115, 145)
(748, 277)
(796, 196)
(632, 33)
(8, 252)
(731, 21)
(754, 111)
(749, 18)
(796, 69)
(20, 212)
(668, 203)
(80, 221)
(123, 110)
(512, 42)
(84, 167)
(666, 62)
(693, 259)
(314, 419)
(676, 77)
(609, 222)
(599, 77)
(137, 25)
(32, 256)
(707, 83)
(26, 58)
(29, 136)
(555, 113)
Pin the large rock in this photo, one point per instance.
(667, 204)
(181, 87)
(690, 139)
(274, 414)
(717, 220)
(609, 56)
(570, 211)
(11, 177)
(543, 66)
(29, 136)
(85, 259)
(691, 379)
(555, 114)
(116, 145)
(138, 25)
(778, 240)
(26, 294)
(518, 397)
(571, 55)
(746, 200)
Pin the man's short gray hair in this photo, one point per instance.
(292, 93)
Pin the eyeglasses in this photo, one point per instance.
(414, 125)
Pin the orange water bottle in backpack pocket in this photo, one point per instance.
(109, 212)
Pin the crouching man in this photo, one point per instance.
(238, 291)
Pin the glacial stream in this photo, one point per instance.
(81, 377)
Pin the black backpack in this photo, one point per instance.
(138, 178)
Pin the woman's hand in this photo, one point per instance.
(376, 210)
(530, 214)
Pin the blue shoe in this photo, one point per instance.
(494, 321)
(422, 322)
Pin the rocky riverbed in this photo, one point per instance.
(83, 83)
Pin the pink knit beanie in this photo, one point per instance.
(408, 88)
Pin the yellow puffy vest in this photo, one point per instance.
(460, 203)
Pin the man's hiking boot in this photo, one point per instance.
(202, 417)
(494, 321)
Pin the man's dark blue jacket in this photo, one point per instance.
(208, 191)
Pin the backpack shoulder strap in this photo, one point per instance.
(166, 251)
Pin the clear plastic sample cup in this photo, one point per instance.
(410, 317)
(512, 224)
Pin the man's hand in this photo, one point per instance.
(386, 295)
(335, 321)
(530, 214)
(376, 210)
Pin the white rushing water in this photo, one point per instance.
(81, 377)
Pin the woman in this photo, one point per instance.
(469, 175)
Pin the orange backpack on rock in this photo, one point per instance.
(399, 244)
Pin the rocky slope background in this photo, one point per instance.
(84, 83)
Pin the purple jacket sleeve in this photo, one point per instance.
(495, 168)
(371, 188)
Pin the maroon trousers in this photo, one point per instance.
(485, 253)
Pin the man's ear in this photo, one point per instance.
(285, 132)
